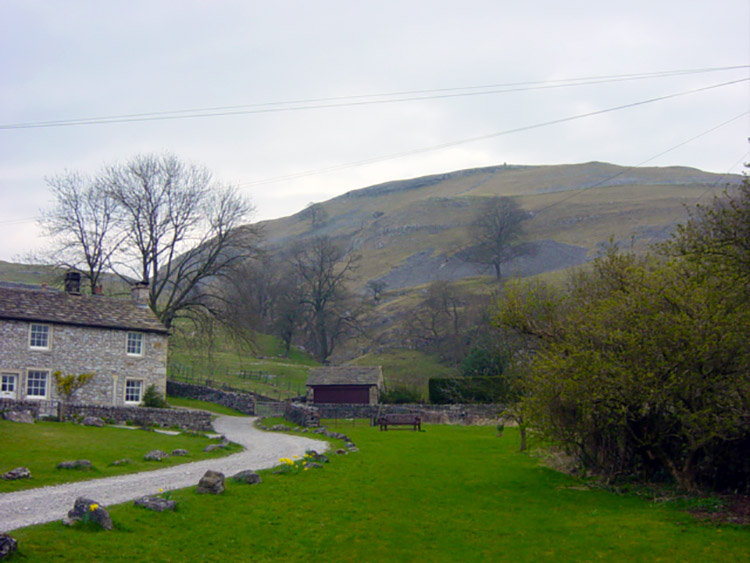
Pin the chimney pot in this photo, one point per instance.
(73, 282)
(139, 293)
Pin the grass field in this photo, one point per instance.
(449, 493)
(203, 405)
(227, 363)
(41, 446)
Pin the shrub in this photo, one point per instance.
(152, 398)
(448, 390)
(400, 395)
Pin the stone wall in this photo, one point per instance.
(242, 402)
(302, 415)
(431, 414)
(31, 406)
(76, 350)
(142, 416)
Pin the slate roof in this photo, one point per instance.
(58, 307)
(346, 375)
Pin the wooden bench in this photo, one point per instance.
(413, 420)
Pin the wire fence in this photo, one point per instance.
(280, 387)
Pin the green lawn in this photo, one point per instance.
(449, 493)
(203, 405)
(41, 446)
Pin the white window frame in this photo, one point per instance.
(141, 390)
(32, 346)
(46, 380)
(138, 337)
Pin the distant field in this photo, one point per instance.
(260, 370)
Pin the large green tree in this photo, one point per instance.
(643, 366)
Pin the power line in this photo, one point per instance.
(629, 168)
(361, 100)
(483, 137)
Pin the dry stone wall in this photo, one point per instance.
(143, 416)
(432, 414)
(242, 402)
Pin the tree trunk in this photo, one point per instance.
(522, 431)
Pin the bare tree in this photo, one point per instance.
(83, 226)
(316, 213)
(440, 322)
(323, 269)
(182, 230)
(495, 230)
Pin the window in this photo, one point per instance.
(36, 384)
(133, 390)
(39, 336)
(135, 344)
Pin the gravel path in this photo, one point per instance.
(262, 450)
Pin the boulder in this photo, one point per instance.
(212, 482)
(155, 455)
(17, 473)
(77, 464)
(85, 509)
(341, 451)
(93, 421)
(353, 450)
(179, 452)
(8, 546)
(156, 503)
(248, 476)
(124, 461)
(313, 464)
(212, 447)
(19, 416)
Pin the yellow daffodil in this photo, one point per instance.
(93, 507)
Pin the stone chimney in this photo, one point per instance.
(73, 282)
(139, 293)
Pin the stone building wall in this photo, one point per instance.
(76, 350)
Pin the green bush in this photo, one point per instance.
(152, 398)
(447, 390)
(401, 394)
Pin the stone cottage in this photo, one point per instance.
(42, 331)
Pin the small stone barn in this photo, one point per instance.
(345, 384)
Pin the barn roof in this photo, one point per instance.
(58, 307)
(346, 375)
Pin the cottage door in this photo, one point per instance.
(8, 383)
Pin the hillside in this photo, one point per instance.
(411, 232)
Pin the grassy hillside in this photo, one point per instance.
(411, 232)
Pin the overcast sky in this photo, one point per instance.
(72, 60)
